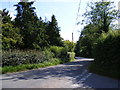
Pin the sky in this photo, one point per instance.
(65, 11)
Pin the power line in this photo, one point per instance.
(76, 18)
(78, 11)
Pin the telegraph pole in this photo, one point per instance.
(76, 18)
(72, 36)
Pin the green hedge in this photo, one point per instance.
(22, 67)
(106, 53)
(17, 57)
(71, 56)
(19, 60)
(62, 53)
(59, 52)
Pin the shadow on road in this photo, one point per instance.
(76, 70)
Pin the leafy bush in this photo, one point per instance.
(106, 52)
(23, 67)
(18, 60)
(71, 56)
(62, 53)
(59, 52)
(69, 45)
(14, 58)
(11, 37)
(48, 54)
(84, 45)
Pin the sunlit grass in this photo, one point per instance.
(23, 67)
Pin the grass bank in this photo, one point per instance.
(23, 67)
(111, 72)
(21, 60)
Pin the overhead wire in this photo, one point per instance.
(76, 18)
(78, 11)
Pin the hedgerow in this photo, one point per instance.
(106, 53)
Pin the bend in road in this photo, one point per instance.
(70, 75)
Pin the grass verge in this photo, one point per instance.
(23, 67)
(104, 71)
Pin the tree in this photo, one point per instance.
(52, 31)
(41, 39)
(11, 38)
(0, 30)
(69, 46)
(101, 14)
(99, 18)
(86, 40)
(27, 21)
(5, 16)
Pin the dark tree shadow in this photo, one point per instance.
(72, 69)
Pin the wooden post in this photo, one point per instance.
(72, 36)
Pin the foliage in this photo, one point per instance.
(26, 21)
(24, 38)
(48, 54)
(110, 43)
(5, 16)
(106, 52)
(69, 46)
(11, 38)
(101, 14)
(34, 32)
(27, 31)
(86, 40)
(99, 18)
(14, 58)
(52, 30)
(62, 53)
(14, 61)
(41, 39)
(54, 55)
(24, 67)
(71, 56)
(59, 52)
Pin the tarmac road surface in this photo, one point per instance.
(70, 75)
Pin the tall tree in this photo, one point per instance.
(53, 32)
(11, 38)
(27, 20)
(5, 16)
(86, 40)
(99, 17)
(41, 39)
(101, 14)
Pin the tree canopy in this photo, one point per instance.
(101, 14)
(98, 20)
(27, 30)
